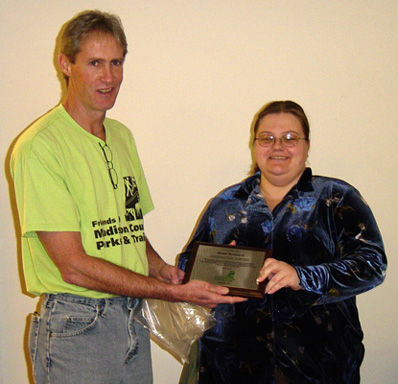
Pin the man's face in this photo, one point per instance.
(96, 75)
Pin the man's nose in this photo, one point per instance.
(107, 75)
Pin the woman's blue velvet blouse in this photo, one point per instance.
(325, 229)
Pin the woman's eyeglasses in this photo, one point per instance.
(108, 161)
(288, 140)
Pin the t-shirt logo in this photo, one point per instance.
(133, 209)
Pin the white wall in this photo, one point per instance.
(196, 73)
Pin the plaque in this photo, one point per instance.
(234, 267)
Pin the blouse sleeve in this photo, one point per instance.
(360, 262)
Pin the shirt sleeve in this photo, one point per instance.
(44, 202)
(360, 262)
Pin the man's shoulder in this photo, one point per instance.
(37, 129)
(45, 122)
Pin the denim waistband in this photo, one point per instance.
(129, 302)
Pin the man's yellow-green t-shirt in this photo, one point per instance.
(62, 183)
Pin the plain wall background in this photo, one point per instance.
(195, 75)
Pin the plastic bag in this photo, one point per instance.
(175, 326)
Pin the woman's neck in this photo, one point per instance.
(274, 193)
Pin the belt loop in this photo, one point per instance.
(133, 304)
(102, 306)
(47, 300)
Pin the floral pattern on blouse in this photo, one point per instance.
(325, 229)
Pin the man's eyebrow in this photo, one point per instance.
(95, 59)
(121, 58)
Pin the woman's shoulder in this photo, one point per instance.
(332, 184)
(239, 190)
(330, 180)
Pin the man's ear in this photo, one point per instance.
(65, 64)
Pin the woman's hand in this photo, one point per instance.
(171, 274)
(280, 275)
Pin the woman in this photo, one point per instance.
(326, 250)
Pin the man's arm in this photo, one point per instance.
(78, 268)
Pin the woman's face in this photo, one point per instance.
(279, 165)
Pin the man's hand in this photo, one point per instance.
(280, 275)
(164, 282)
(205, 294)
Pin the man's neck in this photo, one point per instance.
(92, 122)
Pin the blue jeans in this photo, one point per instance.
(78, 340)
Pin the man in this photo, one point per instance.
(81, 195)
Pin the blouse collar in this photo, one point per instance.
(303, 185)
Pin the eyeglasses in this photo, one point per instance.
(108, 161)
(288, 140)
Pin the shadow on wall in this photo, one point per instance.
(14, 210)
